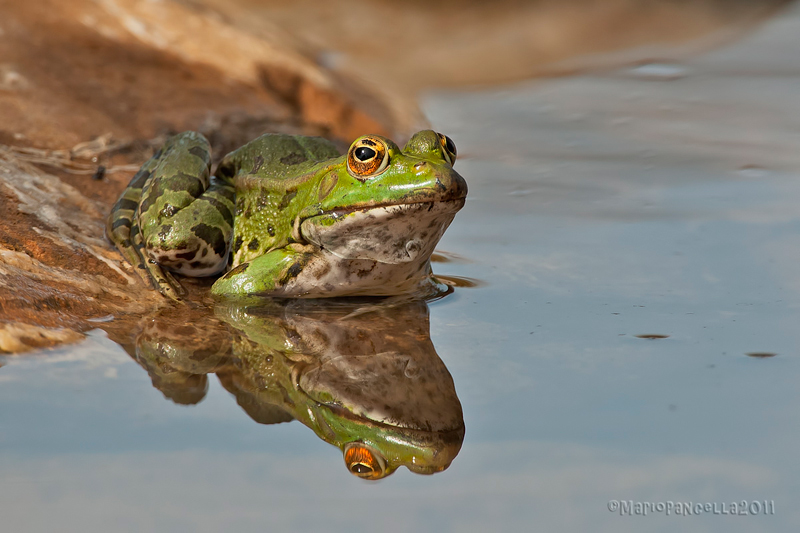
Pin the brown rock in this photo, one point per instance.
(86, 84)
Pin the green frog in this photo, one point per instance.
(288, 216)
(363, 375)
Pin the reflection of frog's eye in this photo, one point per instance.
(364, 461)
(448, 148)
(367, 157)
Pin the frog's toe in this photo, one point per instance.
(170, 292)
(172, 288)
(165, 282)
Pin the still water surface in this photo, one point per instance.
(637, 235)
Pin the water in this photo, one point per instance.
(636, 239)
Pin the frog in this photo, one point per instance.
(291, 216)
(363, 375)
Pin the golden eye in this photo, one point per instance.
(448, 148)
(367, 157)
(364, 462)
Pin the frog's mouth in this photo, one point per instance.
(394, 233)
(454, 204)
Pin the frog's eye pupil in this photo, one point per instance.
(365, 153)
(361, 468)
(448, 148)
(450, 145)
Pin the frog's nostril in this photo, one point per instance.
(420, 165)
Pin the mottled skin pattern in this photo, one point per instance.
(291, 217)
(365, 377)
(174, 216)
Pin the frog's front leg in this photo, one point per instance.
(266, 274)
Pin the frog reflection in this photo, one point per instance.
(364, 376)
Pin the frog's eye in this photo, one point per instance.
(364, 462)
(448, 148)
(367, 157)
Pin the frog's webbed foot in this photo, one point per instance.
(150, 272)
(162, 280)
(165, 282)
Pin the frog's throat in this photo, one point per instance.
(392, 233)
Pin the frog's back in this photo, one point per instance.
(277, 156)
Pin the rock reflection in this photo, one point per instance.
(364, 376)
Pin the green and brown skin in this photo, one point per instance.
(365, 377)
(270, 205)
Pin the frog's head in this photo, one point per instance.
(384, 203)
(375, 445)
(373, 450)
(376, 172)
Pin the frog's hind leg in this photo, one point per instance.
(185, 215)
(122, 229)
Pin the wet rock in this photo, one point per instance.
(87, 84)
(17, 337)
(56, 269)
